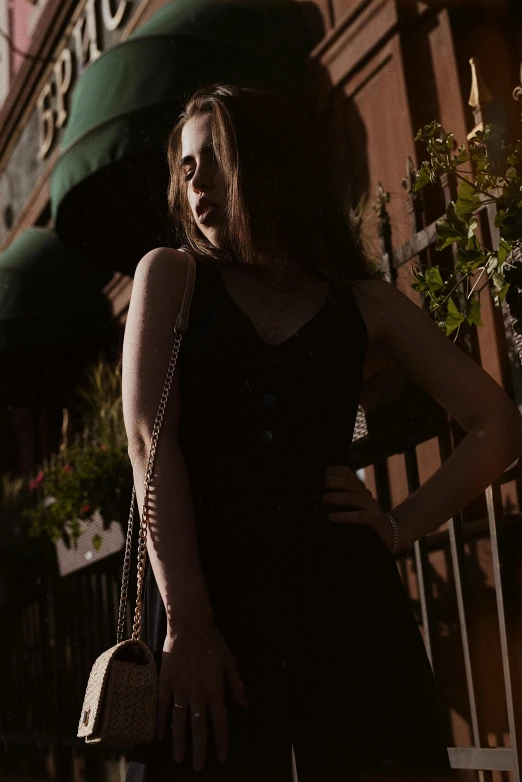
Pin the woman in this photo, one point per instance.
(276, 623)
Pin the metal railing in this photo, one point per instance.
(452, 541)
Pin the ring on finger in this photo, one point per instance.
(179, 706)
(196, 714)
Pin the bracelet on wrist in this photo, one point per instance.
(395, 533)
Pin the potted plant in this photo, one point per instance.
(93, 472)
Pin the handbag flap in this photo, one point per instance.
(93, 699)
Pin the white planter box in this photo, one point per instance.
(84, 554)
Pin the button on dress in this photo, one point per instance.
(315, 611)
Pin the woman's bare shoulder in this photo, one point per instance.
(374, 298)
(157, 291)
(162, 259)
(425, 354)
(160, 277)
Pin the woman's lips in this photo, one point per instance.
(207, 214)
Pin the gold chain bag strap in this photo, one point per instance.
(119, 707)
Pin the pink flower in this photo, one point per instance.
(85, 509)
(36, 481)
(68, 468)
(103, 447)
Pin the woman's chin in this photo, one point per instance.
(215, 238)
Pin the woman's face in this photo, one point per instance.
(203, 178)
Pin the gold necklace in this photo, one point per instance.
(273, 329)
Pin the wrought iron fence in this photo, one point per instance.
(56, 628)
(490, 754)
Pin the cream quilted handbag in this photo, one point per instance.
(119, 708)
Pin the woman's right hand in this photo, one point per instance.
(194, 665)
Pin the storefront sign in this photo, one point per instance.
(97, 26)
(89, 33)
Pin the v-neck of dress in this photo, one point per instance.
(242, 314)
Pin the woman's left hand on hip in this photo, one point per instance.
(344, 487)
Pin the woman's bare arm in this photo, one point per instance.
(172, 544)
(196, 660)
(460, 386)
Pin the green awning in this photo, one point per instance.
(48, 296)
(108, 186)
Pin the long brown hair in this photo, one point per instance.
(280, 202)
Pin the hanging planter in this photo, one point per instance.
(77, 483)
(91, 476)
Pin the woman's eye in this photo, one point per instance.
(187, 176)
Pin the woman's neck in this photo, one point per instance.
(294, 273)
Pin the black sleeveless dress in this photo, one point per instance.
(315, 611)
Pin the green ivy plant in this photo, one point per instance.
(454, 296)
(91, 474)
